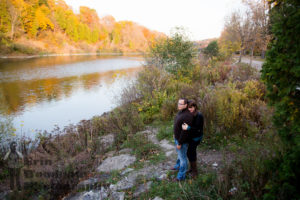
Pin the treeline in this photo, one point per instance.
(53, 26)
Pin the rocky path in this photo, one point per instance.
(137, 180)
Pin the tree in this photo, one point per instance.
(240, 27)
(281, 74)
(173, 54)
(228, 44)
(4, 16)
(260, 36)
(212, 49)
(15, 8)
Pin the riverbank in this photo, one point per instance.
(70, 54)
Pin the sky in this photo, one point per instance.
(202, 19)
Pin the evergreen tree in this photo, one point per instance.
(281, 73)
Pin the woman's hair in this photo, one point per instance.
(192, 103)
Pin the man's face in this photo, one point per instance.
(181, 104)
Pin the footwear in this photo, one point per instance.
(194, 170)
(174, 169)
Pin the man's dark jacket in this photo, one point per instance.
(183, 116)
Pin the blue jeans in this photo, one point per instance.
(181, 163)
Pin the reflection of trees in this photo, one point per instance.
(32, 63)
(18, 94)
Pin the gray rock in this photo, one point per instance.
(116, 163)
(157, 198)
(126, 183)
(125, 151)
(117, 195)
(165, 144)
(163, 176)
(142, 188)
(94, 195)
(107, 141)
(88, 184)
(170, 153)
(89, 195)
(127, 170)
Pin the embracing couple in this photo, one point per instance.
(188, 132)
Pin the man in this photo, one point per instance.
(14, 159)
(180, 136)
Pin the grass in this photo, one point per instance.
(201, 188)
(165, 130)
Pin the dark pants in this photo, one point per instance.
(14, 175)
(192, 150)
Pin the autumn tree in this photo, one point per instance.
(41, 20)
(228, 44)
(260, 36)
(4, 16)
(240, 27)
(15, 8)
(89, 17)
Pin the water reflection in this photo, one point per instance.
(41, 93)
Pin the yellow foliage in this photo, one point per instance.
(253, 89)
(41, 16)
(229, 102)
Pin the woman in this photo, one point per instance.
(195, 136)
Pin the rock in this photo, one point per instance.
(94, 195)
(90, 195)
(117, 195)
(126, 183)
(110, 154)
(142, 188)
(112, 187)
(116, 163)
(107, 141)
(157, 198)
(125, 151)
(163, 176)
(215, 164)
(88, 184)
(169, 153)
(126, 171)
(165, 144)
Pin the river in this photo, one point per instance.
(42, 93)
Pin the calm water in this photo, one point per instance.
(40, 93)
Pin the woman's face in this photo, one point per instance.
(191, 109)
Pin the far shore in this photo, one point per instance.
(67, 54)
